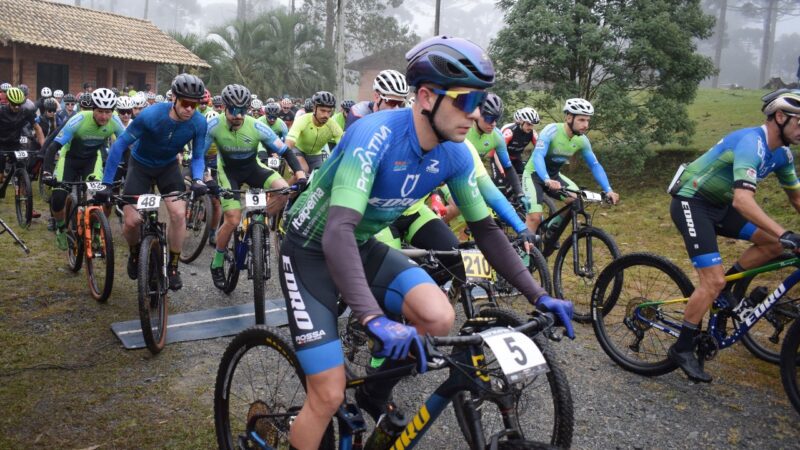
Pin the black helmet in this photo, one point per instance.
(324, 98)
(236, 95)
(493, 106)
(272, 109)
(308, 105)
(347, 104)
(50, 104)
(86, 101)
(69, 98)
(216, 100)
(188, 86)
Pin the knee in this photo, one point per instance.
(132, 219)
(437, 318)
(325, 402)
(713, 284)
(233, 217)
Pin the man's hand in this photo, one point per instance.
(103, 195)
(213, 187)
(613, 197)
(395, 339)
(790, 240)
(561, 308)
(553, 184)
(526, 202)
(528, 239)
(48, 179)
(199, 188)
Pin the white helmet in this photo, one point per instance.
(168, 95)
(579, 107)
(526, 114)
(159, 98)
(124, 102)
(210, 114)
(139, 101)
(58, 93)
(256, 104)
(46, 92)
(104, 98)
(784, 100)
(5, 86)
(253, 96)
(391, 82)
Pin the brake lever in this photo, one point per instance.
(554, 334)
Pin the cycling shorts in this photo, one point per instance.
(141, 178)
(700, 222)
(311, 296)
(535, 189)
(233, 177)
(313, 161)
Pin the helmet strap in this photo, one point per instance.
(430, 114)
(784, 141)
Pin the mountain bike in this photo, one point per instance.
(4, 228)
(588, 248)
(505, 385)
(152, 281)
(17, 175)
(198, 226)
(790, 358)
(638, 322)
(89, 237)
(250, 245)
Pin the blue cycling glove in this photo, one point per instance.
(561, 308)
(395, 340)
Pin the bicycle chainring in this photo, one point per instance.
(707, 347)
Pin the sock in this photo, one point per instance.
(736, 268)
(60, 225)
(685, 342)
(219, 259)
(174, 258)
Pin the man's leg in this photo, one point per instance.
(176, 232)
(232, 218)
(324, 395)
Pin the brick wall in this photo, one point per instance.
(82, 67)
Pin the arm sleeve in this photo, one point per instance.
(290, 158)
(50, 156)
(199, 149)
(787, 176)
(464, 189)
(495, 246)
(284, 130)
(497, 201)
(597, 170)
(118, 148)
(501, 149)
(539, 152)
(344, 262)
(513, 179)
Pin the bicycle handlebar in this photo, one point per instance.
(537, 324)
(228, 193)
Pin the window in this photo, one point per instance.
(54, 76)
(6, 71)
(137, 79)
(102, 78)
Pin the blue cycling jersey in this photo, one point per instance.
(159, 140)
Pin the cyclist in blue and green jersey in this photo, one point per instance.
(385, 163)
(275, 123)
(341, 116)
(81, 142)
(715, 195)
(237, 137)
(311, 132)
(557, 143)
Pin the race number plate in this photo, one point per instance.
(148, 202)
(592, 197)
(253, 201)
(518, 355)
(273, 162)
(94, 186)
(476, 266)
(23, 140)
(21, 154)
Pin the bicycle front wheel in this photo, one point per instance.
(789, 361)
(624, 328)
(230, 266)
(198, 225)
(23, 197)
(506, 295)
(100, 260)
(257, 252)
(152, 293)
(539, 409)
(259, 391)
(574, 280)
(74, 240)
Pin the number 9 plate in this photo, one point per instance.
(255, 201)
(519, 357)
(148, 202)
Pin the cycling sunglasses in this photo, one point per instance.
(124, 111)
(237, 110)
(466, 101)
(188, 103)
(392, 102)
(272, 117)
(490, 119)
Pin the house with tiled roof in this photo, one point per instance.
(61, 46)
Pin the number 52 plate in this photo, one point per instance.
(519, 357)
(476, 266)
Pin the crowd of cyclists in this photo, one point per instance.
(368, 169)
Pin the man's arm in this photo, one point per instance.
(794, 198)
(199, 147)
(37, 131)
(744, 200)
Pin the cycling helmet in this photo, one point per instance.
(15, 96)
(188, 86)
(493, 106)
(270, 100)
(139, 101)
(578, 106)
(783, 99)
(391, 82)
(69, 98)
(50, 104)
(448, 62)
(124, 102)
(24, 89)
(86, 100)
(46, 92)
(308, 105)
(323, 98)
(150, 95)
(5, 86)
(256, 104)
(347, 104)
(168, 95)
(58, 93)
(526, 114)
(206, 97)
(216, 100)
(286, 103)
(272, 109)
(236, 96)
(210, 114)
(115, 91)
(159, 98)
(103, 98)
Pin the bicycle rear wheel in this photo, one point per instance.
(626, 331)
(259, 390)
(764, 338)
(198, 225)
(576, 285)
(260, 255)
(789, 361)
(23, 197)
(74, 240)
(152, 293)
(506, 295)
(539, 409)
(100, 265)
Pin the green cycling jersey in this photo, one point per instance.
(310, 138)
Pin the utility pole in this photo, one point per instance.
(436, 21)
(77, 2)
(146, 8)
(720, 41)
(340, 59)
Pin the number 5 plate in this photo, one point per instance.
(476, 266)
(148, 202)
(519, 357)
(255, 201)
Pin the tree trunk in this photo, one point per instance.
(330, 20)
(241, 10)
(340, 37)
(770, 20)
(721, 25)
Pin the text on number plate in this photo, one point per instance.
(518, 355)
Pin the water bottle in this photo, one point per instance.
(386, 431)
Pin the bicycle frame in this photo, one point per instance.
(4, 228)
(750, 320)
(82, 210)
(577, 208)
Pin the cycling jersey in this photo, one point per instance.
(358, 111)
(278, 127)
(160, 139)
(339, 118)
(82, 137)
(11, 125)
(310, 138)
(486, 142)
(287, 116)
(518, 140)
(62, 116)
(239, 147)
(740, 160)
(555, 148)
